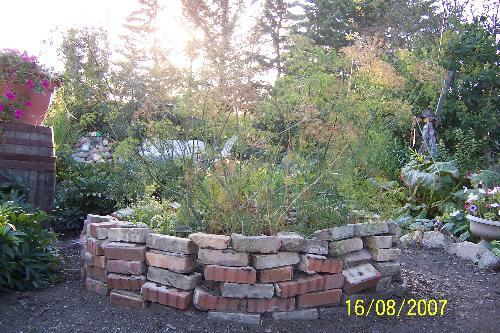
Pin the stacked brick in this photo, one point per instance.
(259, 274)
(369, 259)
(125, 252)
(240, 274)
(171, 276)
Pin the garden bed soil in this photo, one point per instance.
(473, 297)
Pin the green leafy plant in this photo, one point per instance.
(27, 257)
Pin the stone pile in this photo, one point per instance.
(241, 276)
(171, 276)
(92, 148)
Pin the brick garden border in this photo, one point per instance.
(240, 277)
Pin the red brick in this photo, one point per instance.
(322, 298)
(300, 286)
(205, 301)
(92, 227)
(92, 260)
(96, 286)
(94, 246)
(127, 299)
(270, 305)
(316, 263)
(180, 263)
(231, 274)
(333, 281)
(360, 278)
(96, 273)
(125, 282)
(124, 251)
(126, 267)
(171, 297)
(276, 274)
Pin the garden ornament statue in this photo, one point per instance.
(428, 146)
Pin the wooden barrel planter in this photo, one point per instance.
(28, 151)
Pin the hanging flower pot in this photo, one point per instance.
(25, 88)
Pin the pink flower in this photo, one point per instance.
(19, 113)
(45, 84)
(10, 95)
(1, 107)
(28, 104)
(30, 84)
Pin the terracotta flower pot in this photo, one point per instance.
(35, 113)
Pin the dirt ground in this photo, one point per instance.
(473, 305)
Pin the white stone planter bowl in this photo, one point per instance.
(485, 229)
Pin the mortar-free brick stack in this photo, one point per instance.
(125, 252)
(286, 274)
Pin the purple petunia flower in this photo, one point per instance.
(10, 95)
(45, 84)
(1, 107)
(18, 113)
(473, 208)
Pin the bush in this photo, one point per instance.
(27, 257)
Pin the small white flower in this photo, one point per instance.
(465, 189)
(472, 197)
(455, 213)
(495, 205)
(482, 191)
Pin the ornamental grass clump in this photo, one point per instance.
(19, 75)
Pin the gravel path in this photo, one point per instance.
(473, 305)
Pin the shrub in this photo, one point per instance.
(27, 257)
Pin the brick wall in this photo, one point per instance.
(237, 273)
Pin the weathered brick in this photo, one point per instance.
(91, 218)
(385, 254)
(127, 299)
(96, 273)
(126, 267)
(316, 246)
(171, 244)
(102, 229)
(360, 278)
(333, 281)
(243, 318)
(291, 241)
(336, 233)
(308, 314)
(217, 242)
(94, 246)
(378, 242)
(177, 262)
(131, 235)
(125, 282)
(96, 286)
(205, 301)
(341, 247)
(370, 229)
(263, 261)
(230, 274)
(356, 258)
(311, 263)
(92, 260)
(276, 274)
(125, 251)
(93, 229)
(223, 257)
(300, 286)
(389, 268)
(255, 244)
(270, 305)
(242, 290)
(174, 298)
(176, 280)
(321, 298)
